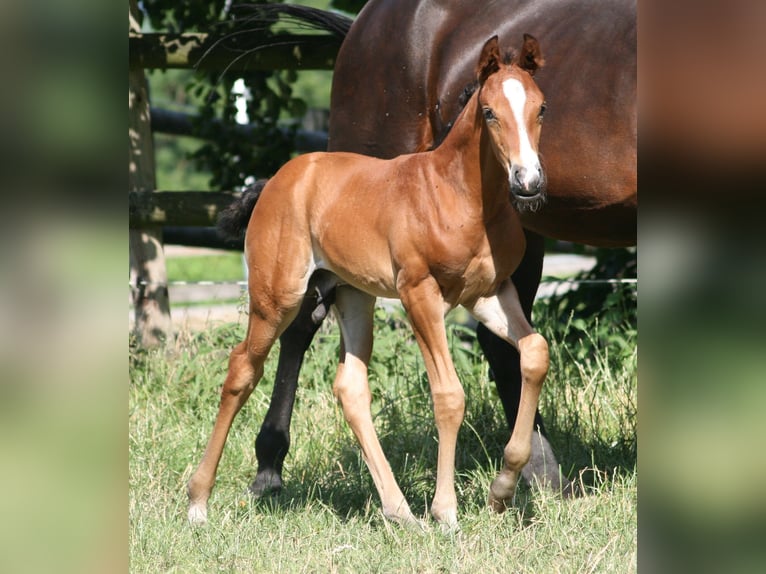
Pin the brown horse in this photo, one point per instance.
(423, 54)
(435, 229)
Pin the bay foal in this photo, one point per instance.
(434, 229)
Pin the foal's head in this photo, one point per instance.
(512, 107)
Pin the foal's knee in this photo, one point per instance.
(534, 359)
(516, 455)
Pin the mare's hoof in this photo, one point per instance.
(557, 484)
(570, 489)
(266, 483)
(543, 471)
(501, 492)
(496, 504)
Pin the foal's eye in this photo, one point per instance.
(541, 114)
(489, 115)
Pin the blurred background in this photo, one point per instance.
(702, 392)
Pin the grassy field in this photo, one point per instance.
(217, 267)
(328, 517)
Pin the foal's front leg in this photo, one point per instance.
(503, 315)
(543, 468)
(425, 307)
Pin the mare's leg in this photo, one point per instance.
(425, 307)
(503, 315)
(355, 312)
(503, 358)
(273, 439)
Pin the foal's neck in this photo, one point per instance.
(468, 148)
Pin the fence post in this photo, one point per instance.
(148, 276)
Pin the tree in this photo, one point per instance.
(227, 154)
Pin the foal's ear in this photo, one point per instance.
(489, 61)
(530, 57)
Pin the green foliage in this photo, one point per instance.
(594, 310)
(277, 100)
(179, 17)
(229, 155)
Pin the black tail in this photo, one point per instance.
(296, 16)
(232, 221)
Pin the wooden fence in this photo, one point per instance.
(151, 210)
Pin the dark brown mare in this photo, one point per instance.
(435, 229)
(416, 57)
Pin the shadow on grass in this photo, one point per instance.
(347, 489)
(339, 480)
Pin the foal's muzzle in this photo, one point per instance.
(527, 187)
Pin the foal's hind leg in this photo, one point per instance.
(355, 312)
(273, 439)
(245, 370)
(273, 304)
(504, 316)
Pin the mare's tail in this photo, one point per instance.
(232, 221)
(297, 18)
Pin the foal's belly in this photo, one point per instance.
(362, 263)
(380, 273)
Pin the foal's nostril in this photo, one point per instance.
(519, 174)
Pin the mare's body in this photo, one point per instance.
(423, 54)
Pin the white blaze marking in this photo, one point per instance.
(514, 91)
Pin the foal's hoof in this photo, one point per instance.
(447, 520)
(450, 527)
(411, 524)
(197, 513)
(402, 516)
(266, 483)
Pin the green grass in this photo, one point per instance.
(328, 517)
(223, 267)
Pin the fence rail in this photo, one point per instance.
(181, 124)
(176, 208)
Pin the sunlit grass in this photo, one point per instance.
(219, 267)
